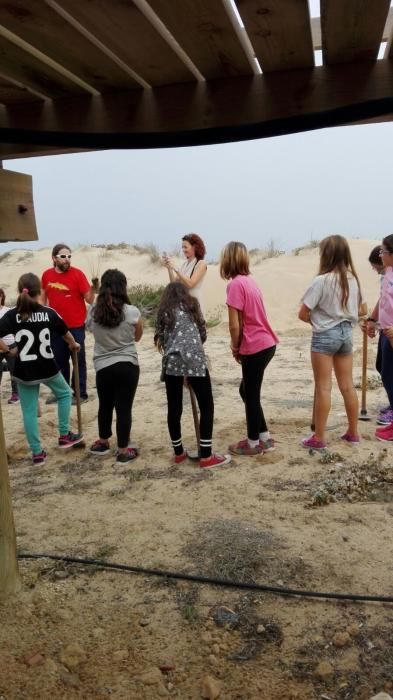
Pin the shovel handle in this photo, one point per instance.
(364, 374)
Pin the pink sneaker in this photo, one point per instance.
(352, 439)
(312, 443)
(243, 448)
(39, 458)
(214, 461)
(385, 434)
(69, 440)
(267, 445)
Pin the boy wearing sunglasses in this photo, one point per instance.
(66, 289)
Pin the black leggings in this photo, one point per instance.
(116, 387)
(253, 368)
(203, 391)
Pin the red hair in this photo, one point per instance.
(197, 243)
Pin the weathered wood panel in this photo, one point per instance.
(47, 31)
(126, 31)
(279, 31)
(352, 30)
(205, 32)
(219, 111)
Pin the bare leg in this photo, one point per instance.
(343, 371)
(322, 367)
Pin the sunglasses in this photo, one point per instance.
(63, 257)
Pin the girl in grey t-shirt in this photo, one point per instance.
(331, 305)
(116, 326)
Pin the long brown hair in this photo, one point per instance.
(29, 288)
(176, 296)
(335, 256)
(108, 309)
(234, 260)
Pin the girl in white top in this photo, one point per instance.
(192, 272)
(331, 305)
(10, 360)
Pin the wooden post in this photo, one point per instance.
(9, 571)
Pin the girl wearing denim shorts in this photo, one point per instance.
(331, 306)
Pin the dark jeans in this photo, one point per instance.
(62, 355)
(10, 361)
(253, 368)
(203, 391)
(378, 359)
(116, 387)
(387, 367)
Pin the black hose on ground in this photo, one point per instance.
(226, 583)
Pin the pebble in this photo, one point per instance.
(120, 655)
(216, 648)
(381, 696)
(170, 686)
(151, 677)
(206, 637)
(353, 630)
(70, 679)
(145, 621)
(72, 655)
(324, 671)
(210, 688)
(34, 659)
(341, 639)
(261, 629)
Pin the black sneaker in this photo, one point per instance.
(99, 448)
(83, 399)
(69, 440)
(131, 454)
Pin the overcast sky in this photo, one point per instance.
(287, 189)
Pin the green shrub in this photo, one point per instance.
(147, 299)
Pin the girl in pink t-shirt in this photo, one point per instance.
(383, 313)
(253, 344)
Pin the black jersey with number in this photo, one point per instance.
(35, 360)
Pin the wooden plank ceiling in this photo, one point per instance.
(149, 66)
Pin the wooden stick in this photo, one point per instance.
(363, 411)
(77, 389)
(9, 570)
(195, 416)
(312, 425)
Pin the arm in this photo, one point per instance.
(44, 297)
(171, 270)
(371, 321)
(71, 342)
(190, 282)
(235, 318)
(138, 330)
(4, 349)
(89, 295)
(304, 314)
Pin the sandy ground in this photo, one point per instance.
(288, 518)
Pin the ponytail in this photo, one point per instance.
(29, 288)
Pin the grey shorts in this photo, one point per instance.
(335, 341)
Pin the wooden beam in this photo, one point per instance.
(279, 31)
(202, 113)
(129, 35)
(317, 35)
(47, 31)
(9, 571)
(352, 30)
(20, 66)
(11, 92)
(205, 32)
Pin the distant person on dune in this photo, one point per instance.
(193, 270)
(253, 344)
(331, 305)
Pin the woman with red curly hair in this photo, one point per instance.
(193, 270)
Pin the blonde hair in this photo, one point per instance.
(234, 260)
(335, 256)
